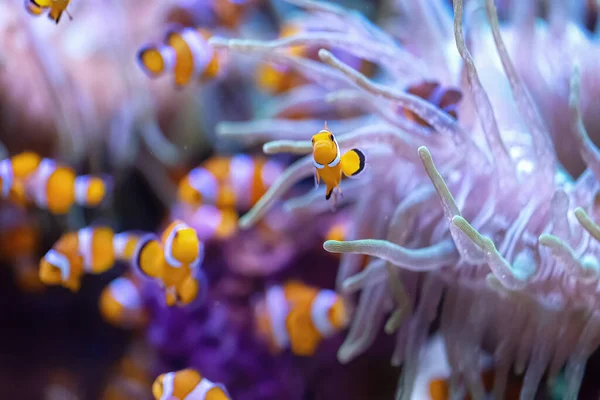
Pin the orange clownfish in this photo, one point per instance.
(89, 250)
(185, 53)
(229, 182)
(187, 384)
(330, 164)
(121, 303)
(433, 374)
(174, 260)
(211, 222)
(133, 377)
(50, 185)
(444, 98)
(299, 316)
(277, 78)
(19, 242)
(57, 8)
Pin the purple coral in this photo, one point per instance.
(511, 257)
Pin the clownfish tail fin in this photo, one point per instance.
(353, 162)
(33, 8)
(147, 256)
(155, 60)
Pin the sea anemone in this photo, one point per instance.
(508, 264)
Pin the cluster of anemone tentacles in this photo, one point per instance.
(508, 264)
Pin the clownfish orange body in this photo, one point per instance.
(185, 53)
(50, 185)
(330, 164)
(56, 7)
(236, 182)
(446, 99)
(174, 261)
(121, 303)
(132, 378)
(187, 384)
(89, 250)
(299, 316)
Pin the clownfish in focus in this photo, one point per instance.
(187, 384)
(174, 261)
(185, 53)
(299, 316)
(57, 8)
(330, 164)
(89, 250)
(446, 99)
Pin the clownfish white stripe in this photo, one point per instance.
(125, 293)
(59, 261)
(169, 246)
(84, 237)
(204, 183)
(196, 263)
(201, 390)
(319, 311)
(6, 173)
(270, 172)
(201, 51)
(82, 184)
(337, 158)
(169, 57)
(317, 165)
(120, 243)
(241, 172)
(45, 170)
(168, 386)
(278, 308)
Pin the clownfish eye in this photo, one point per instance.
(331, 137)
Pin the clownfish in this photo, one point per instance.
(446, 99)
(50, 185)
(236, 182)
(433, 374)
(121, 303)
(19, 242)
(89, 250)
(56, 188)
(299, 316)
(57, 8)
(213, 223)
(185, 53)
(132, 378)
(209, 13)
(330, 164)
(174, 261)
(187, 384)
(276, 78)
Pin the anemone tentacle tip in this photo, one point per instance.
(332, 246)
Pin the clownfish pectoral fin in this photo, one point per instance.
(353, 162)
(55, 15)
(317, 178)
(329, 192)
(156, 60)
(33, 8)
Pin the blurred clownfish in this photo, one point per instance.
(89, 250)
(213, 223)
(299, 316)
(19, 242)
(185, 52)
(51, 185)
(444, 98)
(57, 8)
(121, 303)
(330, 164)
(278, 78)
(433, 375)
(229, 182)
(132, 379)
(213, 13)
(174, 261)
(187, 384)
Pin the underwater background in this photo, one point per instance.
(299, 199)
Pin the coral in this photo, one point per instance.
(510, 257)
